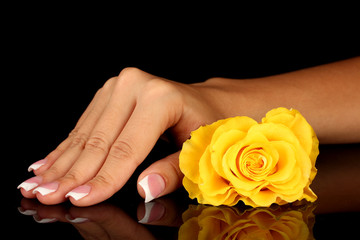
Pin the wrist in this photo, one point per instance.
(250, 97)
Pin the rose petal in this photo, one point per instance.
(192, 188)
(236, 123)
(211, 182)
(230, 198)
(219, 148)
(286, 162)
(298, 124)
(264, 198)
(194, 148)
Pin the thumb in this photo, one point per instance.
(160, 178)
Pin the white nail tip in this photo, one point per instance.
(27, 186)
(75, 195)
(43, 191)
(144, 183)
(36, 165)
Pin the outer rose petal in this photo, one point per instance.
(210, 181)
(194, 148)
(264, 198)
(301, 128)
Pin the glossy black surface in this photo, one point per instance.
(337, 209)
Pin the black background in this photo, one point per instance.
(55, 64)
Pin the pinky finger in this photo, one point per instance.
(44, 164)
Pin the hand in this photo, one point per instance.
(116, 133)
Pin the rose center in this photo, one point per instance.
(254, 164)
(255, 161)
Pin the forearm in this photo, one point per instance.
(328, 96)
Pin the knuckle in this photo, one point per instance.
(52, 172)
(73, 177)
(130, 71)
(73, 132)
(121, 150)
(128, 77)
(105, 179)
(79, 140)
(108, 84)
(97, 143)
(159, 89)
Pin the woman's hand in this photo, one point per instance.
(130, 112)
(115, 134)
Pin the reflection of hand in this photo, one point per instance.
(208, 222)
(161, 212)
(106, 220)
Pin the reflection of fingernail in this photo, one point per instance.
(153, 185)
(76, 220)
(28, 212)
(37, 165)
(153, 212)
(43, 220)
(46, 188)
(79, 192)
(31, 183)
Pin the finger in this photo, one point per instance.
(160, 178)
(59, 167)
(136, 140)
(40, 166)
(97, 146)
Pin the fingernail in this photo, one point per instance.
(31, 183)
(37, 165)
(79, 192)
(46, 188)
(153, 212)
(153, 185)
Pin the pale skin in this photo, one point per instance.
(132, 110)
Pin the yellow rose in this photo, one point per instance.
(208, 222)
(238, 159)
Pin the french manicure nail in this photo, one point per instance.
(31, 183)
(153, 185)
(37, 165)
(79, 192)
(153, 212)
(46, 188)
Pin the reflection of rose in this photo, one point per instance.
(258, 163)
(208, 222)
